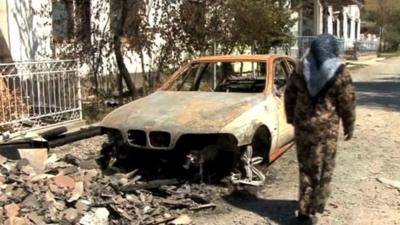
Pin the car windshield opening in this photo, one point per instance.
(242, 77)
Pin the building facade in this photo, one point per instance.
(31, 34)
(343, 21)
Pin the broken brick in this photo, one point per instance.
(64, 182)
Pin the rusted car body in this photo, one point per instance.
(200, 106)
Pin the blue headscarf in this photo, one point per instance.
(322, 63)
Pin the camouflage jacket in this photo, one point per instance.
(337, 103)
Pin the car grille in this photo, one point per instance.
(137, 137)
(160, 139)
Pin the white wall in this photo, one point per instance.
(30, 33)
(4, 20)
(131, 59)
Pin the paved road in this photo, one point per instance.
(358, 198)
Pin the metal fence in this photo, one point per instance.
(299, 48)
(366, 46)
(38, 94)
(302, 43)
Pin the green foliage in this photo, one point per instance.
(386, 16)
(262, 23)
(392, 31)
(195, 26)
(170, 32)
(369, 15)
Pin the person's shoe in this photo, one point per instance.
(307, 219)
(314, 220)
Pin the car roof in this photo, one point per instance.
(228, 58)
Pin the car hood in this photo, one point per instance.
(182, 112)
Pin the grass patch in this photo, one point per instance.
(352, 67)
(390, 55)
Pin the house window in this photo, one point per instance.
(63, 20)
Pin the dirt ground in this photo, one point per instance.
(358, 198)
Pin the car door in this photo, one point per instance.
(282, 72)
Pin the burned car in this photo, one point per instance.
(226, 107)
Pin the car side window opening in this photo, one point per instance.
(242, 77)
(291, 66)
(281, 75)
(186, 80)
(205, 81)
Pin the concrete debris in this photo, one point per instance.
(77, 192)
(71, 214)
(36, 219)
(17, 221)
(181, 220)
(37, 158)
(62, 192)
(89, 164)
(52, 159)
(2, 159)
(98, 217)
(390, 183)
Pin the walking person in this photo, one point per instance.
(319, 94)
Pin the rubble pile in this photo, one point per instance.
(73, 191)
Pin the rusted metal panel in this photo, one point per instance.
(244, 58)
(190, 112)
(174, 76)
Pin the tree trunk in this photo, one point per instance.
(144, 75)
(83, 30)
(120, 88)
(118, 24)
(123, 71)
(5, 54)
(380, 41)
(150, 73)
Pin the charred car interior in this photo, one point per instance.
(242, 77)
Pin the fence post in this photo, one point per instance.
(79, 91)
